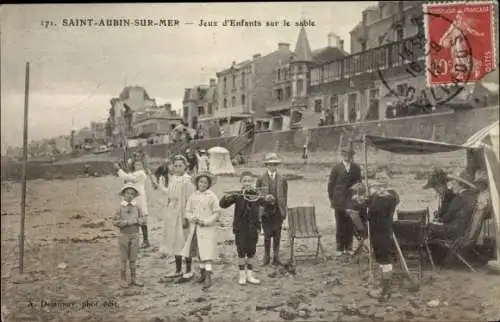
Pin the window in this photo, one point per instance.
(225, 83)
(225, 103)
(318, 105)
(401, 89)
(300, 87)
(243, 98)
(233, 101)
(347, 66)
(201, 110)
(242, 79)
(279, 94)
(399, 33)
(334, 102)
(363, 45)
(374, 93)
(316, 76)
(279, 74)
(356, 64)
(381, 40)
(234, 81)
(288, 92)
(210, 108)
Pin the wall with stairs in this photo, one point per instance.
(452, 127)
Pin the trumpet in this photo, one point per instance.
(251, 195)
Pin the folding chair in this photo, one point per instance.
(411, 231)
(456, 248)
(302, 224)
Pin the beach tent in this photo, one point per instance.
(220, 161)
(485, 141)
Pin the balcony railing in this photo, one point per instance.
(387, 56)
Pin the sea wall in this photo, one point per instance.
(449, 127)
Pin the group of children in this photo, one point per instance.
(191, 212)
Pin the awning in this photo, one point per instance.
(402, 145)
(224, 117)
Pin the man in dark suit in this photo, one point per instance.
(342, 177)
(273, 183)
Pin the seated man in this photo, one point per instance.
(381, 204)
(453, 223)
(438, 180)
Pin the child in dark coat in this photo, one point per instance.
(381, 204)
(246, 224)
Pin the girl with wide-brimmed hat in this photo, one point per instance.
(175, 227)
(202, 212)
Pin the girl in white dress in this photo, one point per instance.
(138, 177)
(202, 212)
(175, 226)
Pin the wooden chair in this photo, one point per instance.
(411, 231)
(456, 248)
(301, 225)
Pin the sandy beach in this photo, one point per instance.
(72, 265)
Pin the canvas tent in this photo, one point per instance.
(484, 141)
(220, 161)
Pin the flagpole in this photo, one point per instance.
(25, 162)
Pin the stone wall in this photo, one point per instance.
(449, 127)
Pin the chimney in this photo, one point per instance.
(212, 82)
(333, 40)
(341, 44)
(283, 46)
(256, 56)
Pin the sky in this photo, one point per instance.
(75, 71)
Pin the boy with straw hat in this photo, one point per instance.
(128, 218)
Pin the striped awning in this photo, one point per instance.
(403, 145)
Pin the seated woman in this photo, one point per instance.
(454, 222)
(381, 204)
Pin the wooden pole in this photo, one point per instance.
(25, 163)
(370, 260)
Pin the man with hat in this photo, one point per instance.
(342, 177)
(453, 223)
(274, 213)
(438, 180)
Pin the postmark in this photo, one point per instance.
(427, 57)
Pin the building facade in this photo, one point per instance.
(292, 81)
(386, 22)
(360, 85)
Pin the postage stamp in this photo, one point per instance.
(411, 56)
(467, 44)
